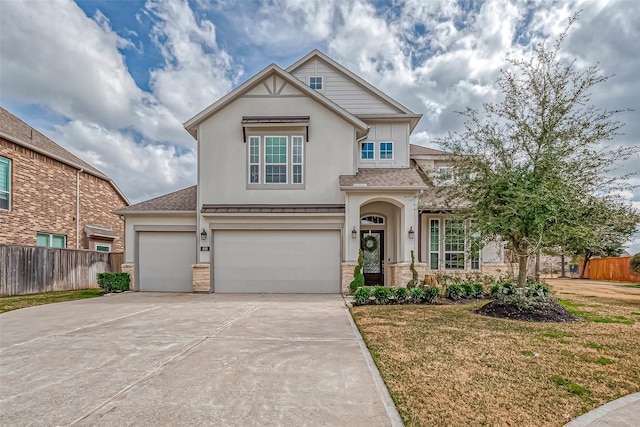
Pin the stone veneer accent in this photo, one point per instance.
(201, 278)
(347, 275)
(400, 274)
(130, 268)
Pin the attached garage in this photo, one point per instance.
(165, 260)
(276, 261)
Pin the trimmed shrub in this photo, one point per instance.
(114, 282)
(358, 277)
(382, 294)
(495, 290)
(508, 289)
(454, 292)
(361, 295)
(414, 273)
(468, 290)
(431, 294)
(401, 294)
(478, 290)
(417, 295)
(533, 290)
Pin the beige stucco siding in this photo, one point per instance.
(344, 91)
(328, 153)
(396, 132)
(159, 222)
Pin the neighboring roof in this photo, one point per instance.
(191, 124)
(433, 200)
(184, 200)
(95, 230)
(359, 80)
(306, 209)
(383, 178)
(15, 130)
(419, 150)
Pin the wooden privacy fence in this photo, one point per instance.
(610, 269)
(30, 269)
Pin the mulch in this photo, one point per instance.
(542, 311)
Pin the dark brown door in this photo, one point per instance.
(372, 244)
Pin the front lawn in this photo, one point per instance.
(446, 365)
(15, 302)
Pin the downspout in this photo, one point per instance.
(78, 208)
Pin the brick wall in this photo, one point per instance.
(43, 199)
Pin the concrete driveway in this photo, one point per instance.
(150, 359)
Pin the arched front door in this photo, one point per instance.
(372, 245)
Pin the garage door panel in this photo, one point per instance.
(165, 261)
(279, 261)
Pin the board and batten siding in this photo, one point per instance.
(344, 91)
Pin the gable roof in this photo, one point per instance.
(419, 150)
(191, 124)
(184, 200)
(353, 76)
(17, 131)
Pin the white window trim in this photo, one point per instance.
(301, 164)
(262, 165)
(445, 251)
(51, 236)
(374, 151)
(321, 82)
(437, 251)
(253, 138)
(393, 150)
(8, 191)
(439, 173)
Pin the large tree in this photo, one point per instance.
(525, 164)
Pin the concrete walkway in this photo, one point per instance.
(149, 359)
(623, 412)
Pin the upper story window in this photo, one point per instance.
(5, 183)
(367, 150)
(276, 159)
(51, 240)
(386, 150)
(316, 82)
(445, 173)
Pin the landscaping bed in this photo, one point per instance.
(448, 365)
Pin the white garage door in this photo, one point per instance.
(276, 261)
(165, 260)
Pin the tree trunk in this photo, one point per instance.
(584, 266)
(562, 267)
(522, 270)
(537, 271)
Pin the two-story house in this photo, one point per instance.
(298, 169)
(51, 198)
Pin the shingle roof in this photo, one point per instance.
(419, 150)
(181, 200)
(434, 199)
(21, 133)
(390, 178)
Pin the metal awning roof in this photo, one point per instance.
(274, 121)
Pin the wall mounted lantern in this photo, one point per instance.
(203, 235)
(354, 232)
(411, 232)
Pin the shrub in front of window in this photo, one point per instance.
(114, 282)
(455, 292)
(478, 289)
(401, 294)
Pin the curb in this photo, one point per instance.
(601, 415)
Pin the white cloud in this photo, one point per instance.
(141, 170)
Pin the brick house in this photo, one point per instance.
(49, 197)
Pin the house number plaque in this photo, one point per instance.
(205, 248)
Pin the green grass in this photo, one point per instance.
(590, 317)
(556, 334)
(15, 302)
(594, 345)
(604, 361)
(571, 387)
(528, 353)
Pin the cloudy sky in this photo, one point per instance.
(112, 81)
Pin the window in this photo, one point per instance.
(434, 244)
(367, 151)
(5, 184)
(103, 248)
(386, 150)
(454, 245)
(254, 159)
(315, 82)
(445, 174)
(275, 160)
(51, 240)
(372, 220)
